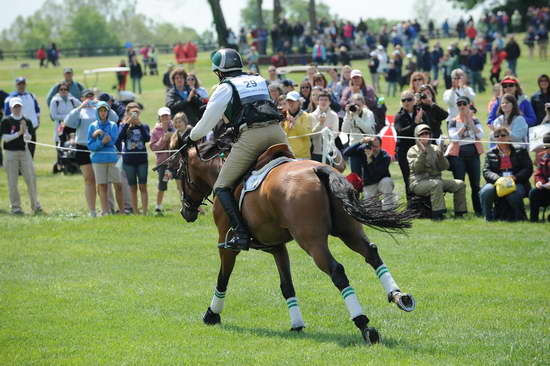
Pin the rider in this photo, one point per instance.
(244, 101)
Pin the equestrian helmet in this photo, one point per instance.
(226, 60)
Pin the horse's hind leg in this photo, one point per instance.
(326, 262)
(358, 242)
(227, 262)
(282, 261)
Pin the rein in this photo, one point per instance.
(186, 200)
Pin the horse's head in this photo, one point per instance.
(199, 169)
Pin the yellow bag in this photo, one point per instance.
(505, 186)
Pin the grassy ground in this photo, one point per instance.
(131, 290)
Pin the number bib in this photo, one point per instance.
(250, 88)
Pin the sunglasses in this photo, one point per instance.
(461, 104)
(508, 85)
(305, 87)
(407, 100)
(503, 135)
(415, 80)
(63, 89)
(425, 133)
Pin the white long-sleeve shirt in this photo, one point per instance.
(366, 124)
(217, 104)
(59, 108)
(330, 122)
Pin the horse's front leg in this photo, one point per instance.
(282, 261)
(227, 262)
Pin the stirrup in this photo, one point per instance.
(236, 243)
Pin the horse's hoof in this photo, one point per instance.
(297, 329)
(211, 318)
(405, 302)
(370, 335)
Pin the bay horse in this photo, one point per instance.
(302, 200)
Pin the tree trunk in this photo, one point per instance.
(219, 22)
(312, 15)
(277, 10)
(259, 14)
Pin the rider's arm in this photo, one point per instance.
(214, 111)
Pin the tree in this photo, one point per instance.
(423, 10)
(277, 11)
(219, 22)
(312, 14)
(259, 13)
(89, 29)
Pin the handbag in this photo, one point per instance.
(505, 186)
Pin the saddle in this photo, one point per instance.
(272, 153)
(274, 156)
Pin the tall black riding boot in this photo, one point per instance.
(241, 236)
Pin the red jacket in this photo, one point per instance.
(41, 54)
(542, 174)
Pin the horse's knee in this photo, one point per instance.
(338, 276)
(372, 257)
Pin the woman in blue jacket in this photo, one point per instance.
(102, 136)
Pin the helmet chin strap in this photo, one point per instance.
(219, 74)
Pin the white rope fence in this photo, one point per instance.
(328, 138)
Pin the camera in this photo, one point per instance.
(133, 114)
(171, 129)
(547, 106)
(353, 108)
(368, 145)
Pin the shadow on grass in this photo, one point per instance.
(341, 339)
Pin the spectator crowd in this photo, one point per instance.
(437, 125)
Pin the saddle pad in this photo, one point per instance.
(257, 176)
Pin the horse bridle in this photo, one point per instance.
(186, 199)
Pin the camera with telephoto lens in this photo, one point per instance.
(353, 108)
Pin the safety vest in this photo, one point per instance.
(251, 102)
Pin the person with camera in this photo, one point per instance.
(79, 120)
(458, 89)
(102, 136)
(160, 143)
(323, 117)
(539, 196)
(541, 99)
(435, 114)
(408, 117)
(427, 162)
(134, 135)
(465, 149)
(358, 122)
(505, 160)
(375, 169)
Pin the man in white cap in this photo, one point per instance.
(30, 108)
(15, 131)
(160, 142)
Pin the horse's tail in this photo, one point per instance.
(367, 211)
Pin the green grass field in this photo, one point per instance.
(126, 290)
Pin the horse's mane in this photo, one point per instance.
(222, 142)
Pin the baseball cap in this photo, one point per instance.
(104, 97)
(15, 101)
(356, 72)
(421, 128)
(293, 95)
(87, 92)
(288, 82)
(164, 111)
(68, 70)
(463, 98)
(20, 80)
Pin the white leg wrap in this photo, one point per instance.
(386, 279)
(217, 301)
(352, 303)
(296, 319)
